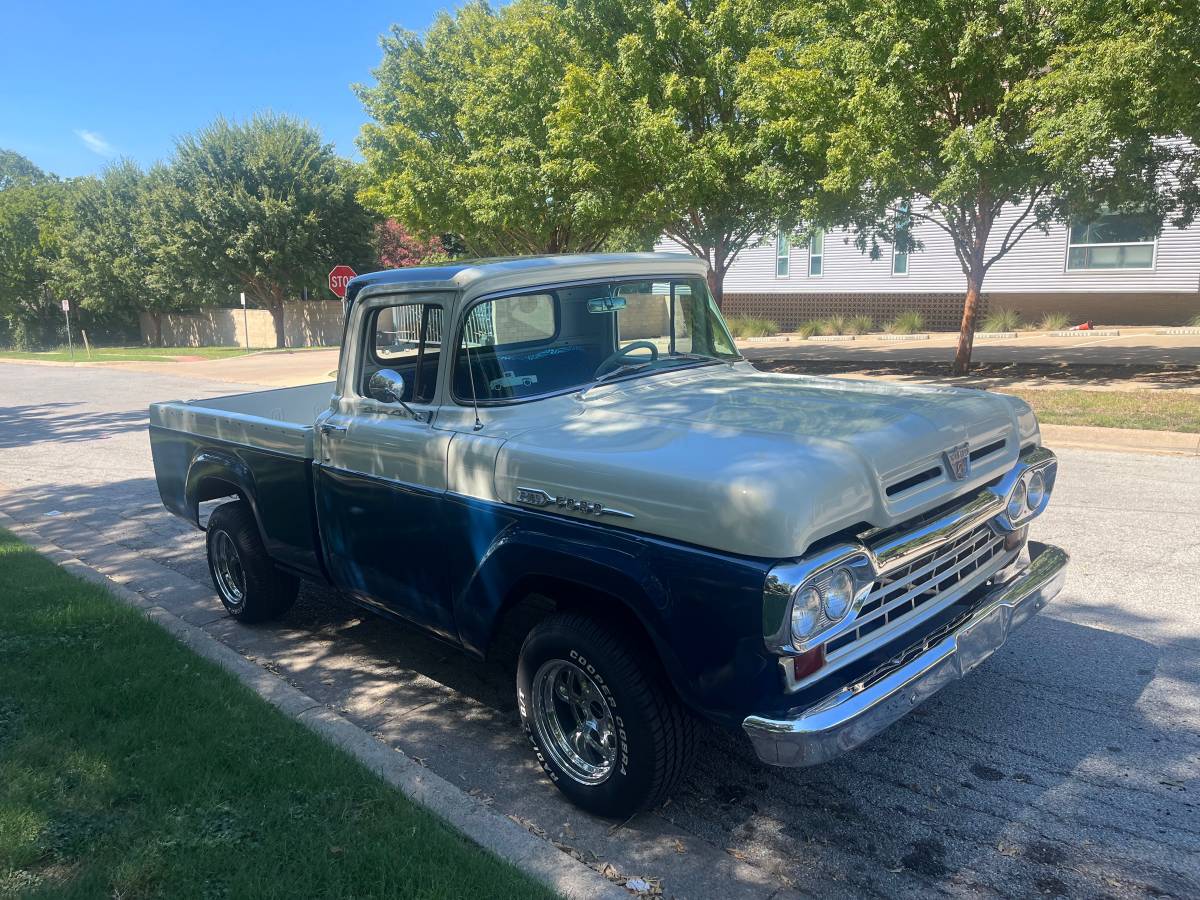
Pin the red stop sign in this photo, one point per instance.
(338, 277)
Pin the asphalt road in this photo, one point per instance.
(1067, 765)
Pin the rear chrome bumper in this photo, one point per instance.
(859, 711)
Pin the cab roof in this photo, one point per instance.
(504, 272)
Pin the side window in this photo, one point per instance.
(407, 338)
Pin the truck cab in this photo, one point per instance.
(575, 442)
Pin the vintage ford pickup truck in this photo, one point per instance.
(575, 443)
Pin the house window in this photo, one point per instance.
(903, 226)
(783, 260)
(1111, 241)
(816, 252)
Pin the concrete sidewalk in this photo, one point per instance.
(1133, 346)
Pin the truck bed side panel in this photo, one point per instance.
(278, 486)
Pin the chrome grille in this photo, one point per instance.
(903, 591)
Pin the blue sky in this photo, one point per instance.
(83, 83)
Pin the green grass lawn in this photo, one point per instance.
(1157, 410)
(125, 354)
(130, 767)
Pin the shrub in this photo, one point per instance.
(908, 322)
(1195, 321)
(834, 325)
(1002, 320)
(750, 326)
(860, 325)
(808, 329)
(1055, 321)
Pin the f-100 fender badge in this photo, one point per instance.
(958, 460)
(538, 497)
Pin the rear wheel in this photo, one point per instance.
(606, 727)
(251, 588)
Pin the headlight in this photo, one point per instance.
(806, 612)
(1036, 492)
(1016, 501)
(839, 595)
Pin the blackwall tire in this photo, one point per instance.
(606, 728)
(251, 588)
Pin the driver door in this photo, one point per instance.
(381, 471)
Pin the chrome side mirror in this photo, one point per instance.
(387, 386)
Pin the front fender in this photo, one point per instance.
(701, 610)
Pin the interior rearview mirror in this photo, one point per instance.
(606, 304)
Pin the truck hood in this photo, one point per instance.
(761, 464)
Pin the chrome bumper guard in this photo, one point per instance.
(860, 711)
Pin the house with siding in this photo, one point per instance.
(1114, 271)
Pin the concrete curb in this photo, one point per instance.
(897, 338)
(1090, 332)
(994, 335)
(1188, 329)
(830, 338)
(1122, 440)
(498, 834)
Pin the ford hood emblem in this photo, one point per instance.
(958, 461)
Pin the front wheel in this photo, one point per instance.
(605, 726)
(250, 587)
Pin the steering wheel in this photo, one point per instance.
(621, 357)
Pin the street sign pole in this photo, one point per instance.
(245, 321)
(66, 308)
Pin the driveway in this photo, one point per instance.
(1067, 765)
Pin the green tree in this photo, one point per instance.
(471, 135)
(677, 62)
(104, 262)
(941, 103)
(15, 170)
(265, 207)
(1120, 106)
(31, 225)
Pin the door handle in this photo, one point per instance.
(330, 428)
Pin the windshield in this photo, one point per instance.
(566, 338)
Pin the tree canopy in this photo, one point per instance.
(676, 65)
(473, 134)
(16, 170)
(264, 207)
(947, 100)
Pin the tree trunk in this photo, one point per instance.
(277, 321)
(716, 284)
(156, 318)
(966, 334)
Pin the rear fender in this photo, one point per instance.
(210, 467)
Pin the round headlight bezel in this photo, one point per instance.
(807, 600)
(1016, 508)
(1035, 499)
(840, 588)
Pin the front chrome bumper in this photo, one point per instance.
(858, 712)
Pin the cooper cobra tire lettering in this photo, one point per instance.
(654, 733)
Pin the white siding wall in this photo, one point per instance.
(1036, 265)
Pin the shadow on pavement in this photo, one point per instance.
(1041, 773)
(21, 426)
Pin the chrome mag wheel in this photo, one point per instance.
(227, 567)
(574, 723)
